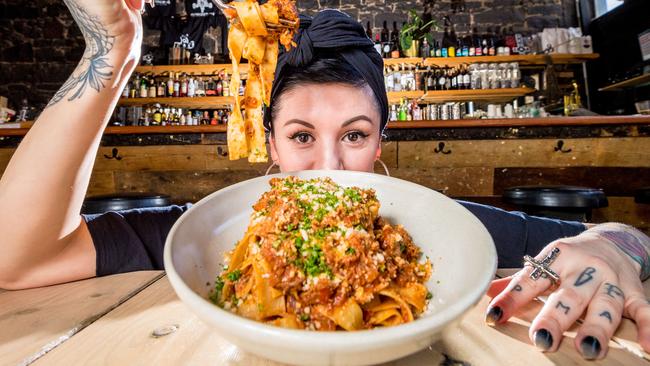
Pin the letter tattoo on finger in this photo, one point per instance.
(613, 290)
(562, 307)
(606, 314)
(585, 276)
(517, 288)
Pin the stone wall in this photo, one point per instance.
(40, 45)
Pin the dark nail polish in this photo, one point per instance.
(493, 315)
(590, 348)
(543, 339)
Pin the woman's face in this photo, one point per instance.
(328, 126)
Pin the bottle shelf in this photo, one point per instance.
(638, 81)
(181, 102)
(522, 59)
(443, 96)
(212, 69)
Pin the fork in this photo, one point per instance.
(283, 23)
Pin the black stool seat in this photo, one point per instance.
(123, 201)
(642, 195)
(562, 202)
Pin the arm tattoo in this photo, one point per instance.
(93, 69)
(606, 314)
(562, 307)
(585, 276)
(631, 241)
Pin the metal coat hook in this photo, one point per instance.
(114, 155)
(441, 149)
(560, 147)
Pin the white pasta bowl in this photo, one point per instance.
(460, 248)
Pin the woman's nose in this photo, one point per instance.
(330, 159)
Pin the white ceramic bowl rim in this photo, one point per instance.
(333, 339)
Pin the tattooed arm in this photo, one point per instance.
(632, 242)
(44, 239)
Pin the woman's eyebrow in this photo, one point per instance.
(300, 122)
(357, 118)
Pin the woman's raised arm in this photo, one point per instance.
(44, 239)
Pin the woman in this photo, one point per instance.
(328, 110)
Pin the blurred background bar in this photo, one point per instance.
(486, 96)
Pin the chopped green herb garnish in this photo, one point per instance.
(429, 295)
(215, 296)
(402, 247)
(350, 251)
(304, 317)
(353, 194)
(234, 275)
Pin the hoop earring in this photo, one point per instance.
(384, 166)
(268, 170)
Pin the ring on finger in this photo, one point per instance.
(541, 269)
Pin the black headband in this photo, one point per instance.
(336, 32)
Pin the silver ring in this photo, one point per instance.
(541, 268)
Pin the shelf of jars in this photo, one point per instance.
(181, 102)
(478, 95)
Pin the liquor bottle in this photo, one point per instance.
(226, 85)
(465, 46)
(511, 41)
(478, 49)
(453, 41)
(126, 92)
(144, 88)
(402, 114)
(210, 87)
(153, 88)
(157, 116)
(394, 40)
(434, 49)
(417, 76)
(389, 79)
(219, 87)
(378, 46)
(445, 43)
(453, 79)
(215, 118)
(163, 117)
(182, 121)
(492, 51)
(162, 90)
(467, 78)
(385, 41)
(442, 79)
(397, 79)
(224, 118)
(425, 49)
(191, 87)
(183, 86)
(206, 118)
(170, 85)
(430, 83)
(368, 31)
(177, 87)
(393, 113)
(416, 111)
(200, 87)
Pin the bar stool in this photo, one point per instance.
(558, 202)
(642, 195)
(123, 201)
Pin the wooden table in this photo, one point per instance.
(111, 321)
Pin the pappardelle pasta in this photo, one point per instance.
(318, 256)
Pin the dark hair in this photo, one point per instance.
(327, 70)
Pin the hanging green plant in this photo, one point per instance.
(416, 30)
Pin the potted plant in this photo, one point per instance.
(413, 32)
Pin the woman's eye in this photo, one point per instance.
(354, 136)
(302, 138)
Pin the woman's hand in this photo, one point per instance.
(599, 277)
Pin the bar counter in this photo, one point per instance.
(472, 159)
